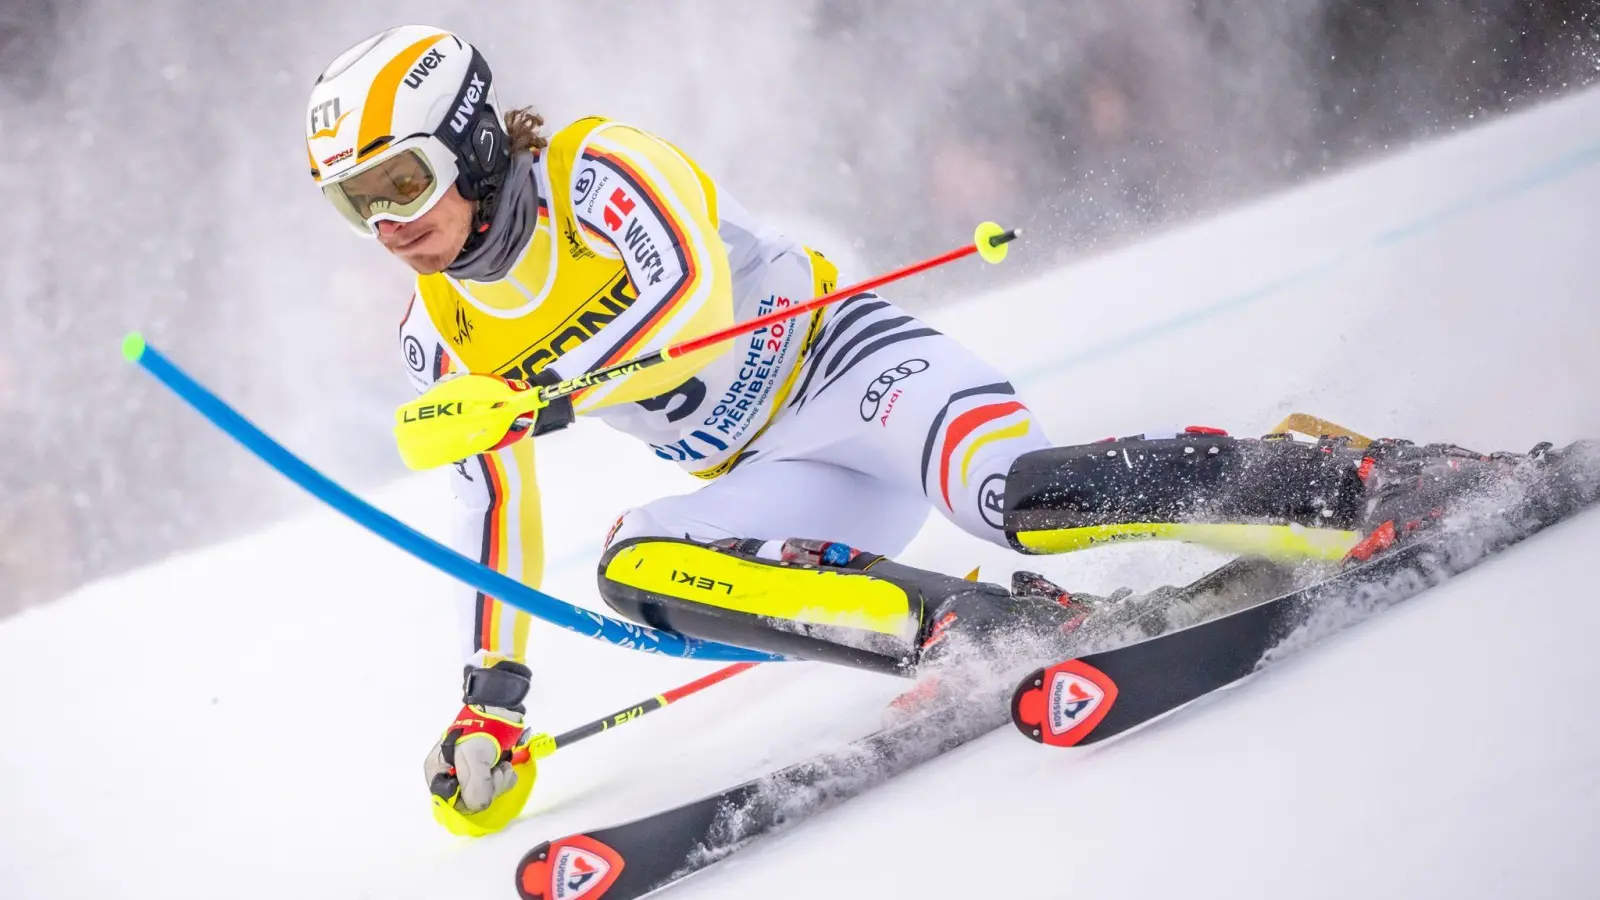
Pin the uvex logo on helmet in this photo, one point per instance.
(424, 67)
(469, 104)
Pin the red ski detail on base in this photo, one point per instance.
(568, 869)
(1060, 705)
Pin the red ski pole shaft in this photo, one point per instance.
(543, 745)
(989, 242)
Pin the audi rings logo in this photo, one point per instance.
(879, 388)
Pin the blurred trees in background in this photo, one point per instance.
(1096, 121)
(154, 177)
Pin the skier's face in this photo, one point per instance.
(432, 242)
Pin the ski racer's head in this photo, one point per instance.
(405, 140)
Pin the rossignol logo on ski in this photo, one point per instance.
(572, 868)
(576, 872)
(1072, 700)
(1062, 705)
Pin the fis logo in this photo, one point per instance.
(464, 326)
(575, 246)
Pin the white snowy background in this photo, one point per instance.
(249, 721)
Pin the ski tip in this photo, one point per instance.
(1063, 704)
(533, 873)
(572, 867)
(133, 346)
(1027, 706)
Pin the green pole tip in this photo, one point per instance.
(133, 346)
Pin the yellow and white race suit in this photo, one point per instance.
(634, 248)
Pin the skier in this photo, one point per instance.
(824, 440)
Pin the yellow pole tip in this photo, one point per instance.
(992, 241)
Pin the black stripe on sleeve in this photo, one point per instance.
(876, 328)
(934, 430)
(856, 309)
(874, 347)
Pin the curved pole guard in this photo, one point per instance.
(507, 590)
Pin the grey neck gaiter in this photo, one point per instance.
(514, 219)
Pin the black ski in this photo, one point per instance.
(637, 858)
(1097, 696)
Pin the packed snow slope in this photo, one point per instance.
(249, 721)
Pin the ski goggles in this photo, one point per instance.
(400, 186)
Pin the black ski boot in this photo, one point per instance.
(1410, 488)
(978, 631)
(1120, 616)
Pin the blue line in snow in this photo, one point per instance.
(1556, 170)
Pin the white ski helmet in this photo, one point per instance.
(398, 118)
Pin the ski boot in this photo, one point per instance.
(993, 624)
(1125, 615)
(1410, 488)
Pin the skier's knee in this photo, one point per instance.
(636, 522)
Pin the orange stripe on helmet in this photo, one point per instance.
(377, 112)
